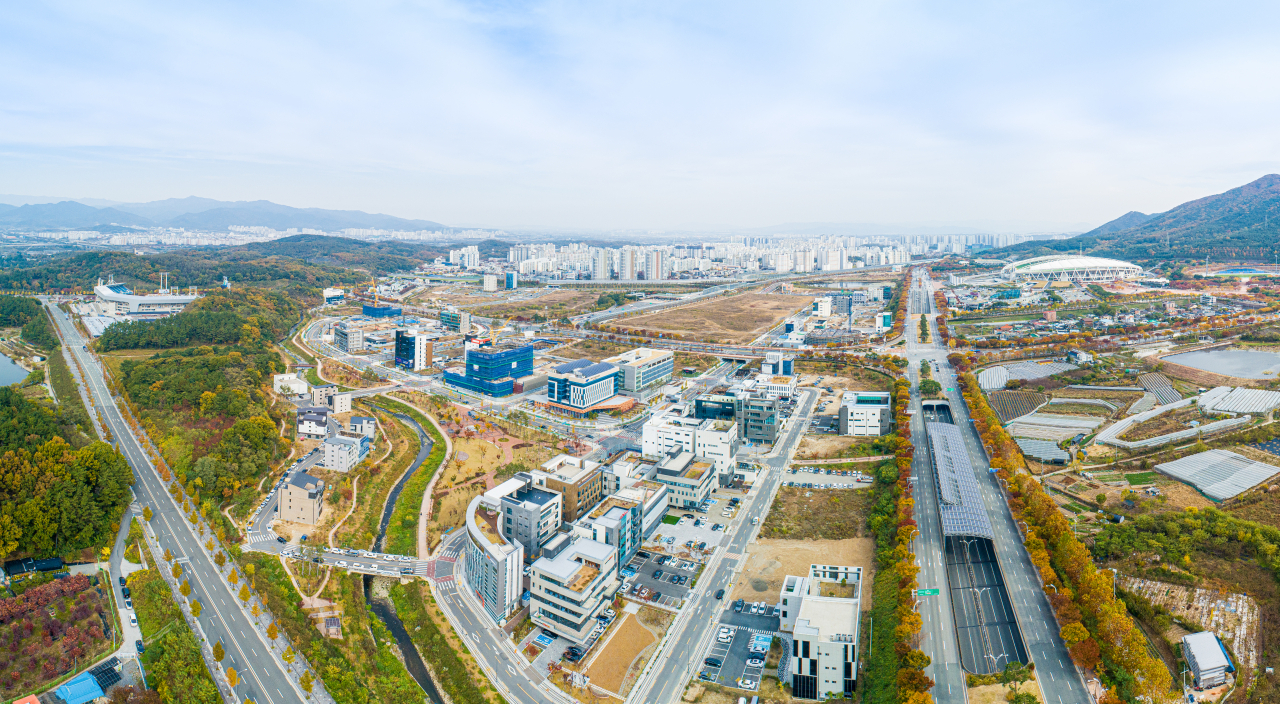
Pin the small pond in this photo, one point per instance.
(1247, 364)
(10, 372)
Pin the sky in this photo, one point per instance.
(1008, 116)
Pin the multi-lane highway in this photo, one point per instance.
(1058, 677)
(263, 677)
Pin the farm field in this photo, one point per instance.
(1141, 478)
(734, 319)
(1170, 422)
(1015, 404)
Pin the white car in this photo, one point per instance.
(342, 563)
(133, 620)
(748, 684)
(755, 662)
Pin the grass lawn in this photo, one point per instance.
(1141, 477)
(670, 520)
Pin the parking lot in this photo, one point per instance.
(699, 529)
(673, 568)
(739, 666)
(828, 478)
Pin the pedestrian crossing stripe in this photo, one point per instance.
(733, 555)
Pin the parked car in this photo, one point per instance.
(124, 591)
(755, 662)
(141, 648)
(133, 620)
(709, 662)
(657, 574)
(123, 583)
(737, 605)
(128, 603)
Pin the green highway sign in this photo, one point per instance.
(926, 592)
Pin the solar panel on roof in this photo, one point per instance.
(571, 366)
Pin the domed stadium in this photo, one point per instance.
(1071, 267)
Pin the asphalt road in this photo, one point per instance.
(263, 677)
(1059, 678)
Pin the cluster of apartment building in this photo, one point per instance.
(410, 342)
(343, 448)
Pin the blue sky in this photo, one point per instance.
(1002, 115)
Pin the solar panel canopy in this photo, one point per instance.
(959, 497)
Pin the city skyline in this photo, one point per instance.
(1047, 118)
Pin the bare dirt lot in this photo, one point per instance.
(770, 561)
(553, 305)
(596, 350)
(817, 514)
(817, 447)
(738, 319)
(1169, 422)
(609, 668)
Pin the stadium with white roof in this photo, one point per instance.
(1071, 267)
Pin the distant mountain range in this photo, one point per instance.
(1236, 224)
(195, 213)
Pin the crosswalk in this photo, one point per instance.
(260, 536)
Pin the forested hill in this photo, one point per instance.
(55, 499)
(1241, 224)
(234, 316)
(203, 268)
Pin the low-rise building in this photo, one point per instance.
(313, 422)
(580, 483)
(343, 451)
(643, 369)
(716, 440)
(302, 499)
(492, 370)
(775, 386)
(289, 384)
(1206, 659)
(364, 425)
(582, 387)
(348, 336)
(865, 413)
(414, 350)
(689, 478)
(822, 611)
(571, 585)
(334, 296)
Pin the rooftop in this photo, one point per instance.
(305, 481)
(638, 356)
(578, 565)
(487, 522)
(612, 502)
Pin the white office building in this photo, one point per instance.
(289, 384)
(494, 563)
(571, 584)
(1205, 658)
(867, 413)
(822, 611)
(490, 283)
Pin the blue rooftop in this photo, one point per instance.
(572, 366)
(81, 689)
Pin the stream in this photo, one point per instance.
(381, 607)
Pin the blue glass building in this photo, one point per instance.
(493, 371)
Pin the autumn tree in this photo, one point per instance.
(195, 608)
(218, 652)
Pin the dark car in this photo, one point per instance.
(280, 539)
(141, 648)
(737, 605)
(406, 570)
(657, 574)
(713, 662)
(549, 633)
(123, 583)
(124, 591)
(719, 593)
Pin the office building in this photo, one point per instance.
(579, 482)
(822, 306)
(343, 451)
(822, 612)
(617, 522)
(492, 371)
(414, 350)
(715, 440)
(643, 368)
(865, 413)
(348, 337)
(582, 387)
(381, 311)
(495, 564)
(1206, 659)
(334, 296)
(313, 423)
(490, 283)
(688, 477)
(364, 425)
(531, 514)
(776, 363)
(756, 416)
(512, 279)
(571, 585)
(884, 322)
(775, 386)
(302, 499)
(456, 320)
